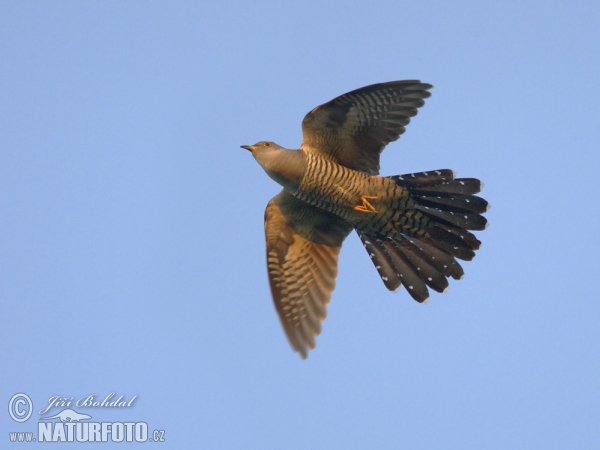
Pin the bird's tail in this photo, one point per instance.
(429, 235)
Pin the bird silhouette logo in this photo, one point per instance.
(68, 415)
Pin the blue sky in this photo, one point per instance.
(131, 223)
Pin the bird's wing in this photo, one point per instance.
(354, 128)
(303, 243)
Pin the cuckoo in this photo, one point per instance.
(414, 226)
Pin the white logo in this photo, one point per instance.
(69, 425)
(15, 404)
(68, 415)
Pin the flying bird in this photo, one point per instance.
(413, 226)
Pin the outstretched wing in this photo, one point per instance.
(354, 128)
(303, 243)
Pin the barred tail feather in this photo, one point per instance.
(448, 240)
(450, 216)
(404, 262)
(424, 179)
(443, 198)
(451, 208)
(387, 271)
(438, 182)
(422, 252)
(456, 202)
(422, 262)
(444, 262)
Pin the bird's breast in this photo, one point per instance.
(345, 192)
(286, 167)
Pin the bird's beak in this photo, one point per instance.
(248, 147)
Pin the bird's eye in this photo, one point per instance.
(267, 144)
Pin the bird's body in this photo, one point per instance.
(339, 190)
(413, 226)
(328, 185)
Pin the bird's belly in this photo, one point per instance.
(352, 195)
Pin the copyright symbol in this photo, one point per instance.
(16, 410)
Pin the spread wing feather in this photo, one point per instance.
(303, 243)
(354, 128)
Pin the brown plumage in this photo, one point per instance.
(413, 226)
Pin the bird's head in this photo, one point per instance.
(262, 146)
(285, 166)
(266, 153)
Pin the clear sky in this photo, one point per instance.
(132, 252)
